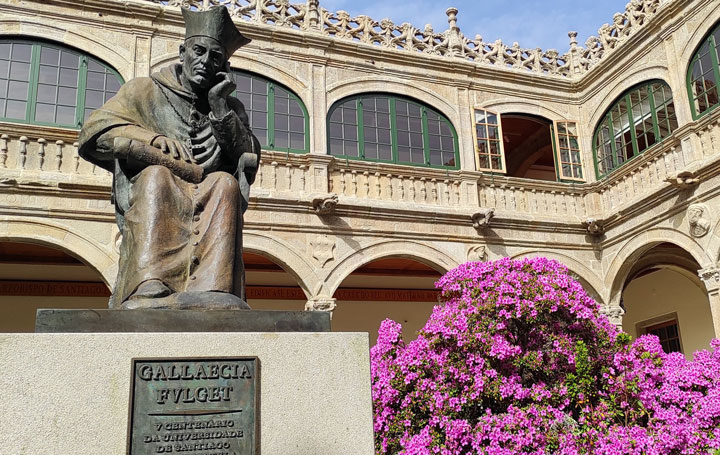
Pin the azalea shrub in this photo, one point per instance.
(517, 359)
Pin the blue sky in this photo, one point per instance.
(532, 23)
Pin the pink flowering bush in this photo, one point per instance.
(518, 360)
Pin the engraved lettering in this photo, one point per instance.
(145, 372)
(162, 396)
(194, 406)
(223, 370)
(160, 374)
(173, 373)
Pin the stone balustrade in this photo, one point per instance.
(51, 156)
(450, 43)
(675, 163)
(534, 198)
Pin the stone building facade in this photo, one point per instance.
(605, 157)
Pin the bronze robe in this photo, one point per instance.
(189, 236)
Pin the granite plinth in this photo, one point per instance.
(68, 393)
(113, 321)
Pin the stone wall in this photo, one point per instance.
(321, 218)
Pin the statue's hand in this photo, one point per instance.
(217, 95)
(178, 149)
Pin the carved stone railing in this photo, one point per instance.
(451, 43)
(677, 162)
(535, 199)
(48, 156)
(45, 155)
(394, 185)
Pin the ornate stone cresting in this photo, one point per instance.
(594, 226)
(325, 205)
(697, 219)
(450, 43)
(481, 220)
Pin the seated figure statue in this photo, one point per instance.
(183, 159)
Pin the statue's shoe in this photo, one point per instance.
(187, 301)
(150, 289)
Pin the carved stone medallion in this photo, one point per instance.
(698, 215)
(323, 249)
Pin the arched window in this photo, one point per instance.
(278, 117)
(381, 127)
(639, 119)
(49, 84)
(704, 75)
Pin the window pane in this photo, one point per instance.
(67, 96)
(48, 75)
(46, 93)
(19, 71)
(93, 98)
(65, 115)
(21, 52)
(15, 109)
(112, 83)
(45, 112)
(5, 51)
(18, 90)
(50, 56)
(95, 80)
(68, 77)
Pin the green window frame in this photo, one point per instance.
(640, 118)
(566, 145)
(487, 132)
(278, 117)
(703, 75)
(49, 84)
(382, 127)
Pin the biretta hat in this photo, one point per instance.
(214, 23)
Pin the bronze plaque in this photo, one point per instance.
(205, 406)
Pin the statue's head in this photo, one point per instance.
(210, 39)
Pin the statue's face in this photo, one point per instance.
(202, 58)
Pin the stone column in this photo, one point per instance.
(321, 304)
(711, 277)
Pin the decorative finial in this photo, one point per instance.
(452, 16)
(573, 38)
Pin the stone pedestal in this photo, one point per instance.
(69, 393)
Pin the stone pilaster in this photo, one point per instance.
(711, 277)
(321, 304)
(615, 313)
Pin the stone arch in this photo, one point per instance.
(622, 84)
(421, 252)
(713, 244)
(633, 249)
(283, 254)
(588, 278)
(511, 105)
(374, 84)
(711, 16)
(92, 44)
(61, 237)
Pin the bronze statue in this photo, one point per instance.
(183, 159)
